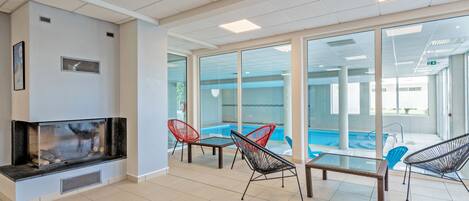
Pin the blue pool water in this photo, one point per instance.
(359, 140)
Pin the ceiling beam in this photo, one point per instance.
(206, 11)
(179, 52)
(137, 15)
(124, 11)
(203, 43)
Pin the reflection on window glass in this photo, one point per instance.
(266, 93)
(389, 96)
(411, 100)
(353, 98)
(426, 62)
(413, 95)
(177, 101)
(218, 94)
(334, 62)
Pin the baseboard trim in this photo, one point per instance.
(147, 176)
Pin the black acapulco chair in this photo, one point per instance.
(263, 161)
(443, 158)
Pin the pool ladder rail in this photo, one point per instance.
(401, 128)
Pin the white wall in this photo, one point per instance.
(144, 97)
(20, 32)
(5, 89)
(58, 95)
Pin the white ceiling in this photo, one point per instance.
(153, 8)
(274, 16)
(414, 49)
(280, 16)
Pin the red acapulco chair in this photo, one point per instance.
(260, 136)
(184, 133)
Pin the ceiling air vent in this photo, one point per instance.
(44, 19)
(338, 43)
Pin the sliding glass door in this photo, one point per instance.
(218, 94)
(341, 94)
(427, 63)
(177, 90)
(266, 93)
(265, 90)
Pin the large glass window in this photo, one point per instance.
(266, 93)
(389, 93)
(177, 101)
(403, 96)
(413, 95)
(340, 70)
(426, 63)
(218, 94)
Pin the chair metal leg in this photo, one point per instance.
(408, 183)
(299, 186)
(234, 159)
(282, 180)
(462, 181)
(174, 148)
(242, 198)
(202, 150)
(182, 151)
(405, 173)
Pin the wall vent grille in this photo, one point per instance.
(44, 19)
(74, 183)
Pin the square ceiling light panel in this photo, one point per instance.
(240, 26)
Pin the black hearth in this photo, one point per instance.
(45, 147)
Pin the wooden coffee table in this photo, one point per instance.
(367, 167)
(214, 142)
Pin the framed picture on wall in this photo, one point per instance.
(18, 66)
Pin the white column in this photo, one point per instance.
(343, 107)
(299, 88)
(287, 115)
(143, 98)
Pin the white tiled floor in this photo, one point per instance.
(203, 181)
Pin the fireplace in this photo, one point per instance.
(47, 145)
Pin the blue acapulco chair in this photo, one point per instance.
(311, 154)
(395, 155)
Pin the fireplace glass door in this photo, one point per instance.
(58, 143)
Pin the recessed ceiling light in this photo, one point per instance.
(240, 26)
(247, 72)
(370, 72)
(283, 48)
(404, 63)
(423, 70)
(440, 42)
(381, 1)
(359, 57)
(439, 51)
(321, 66)
(333, 69)
(404, 30)
(458, 27)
